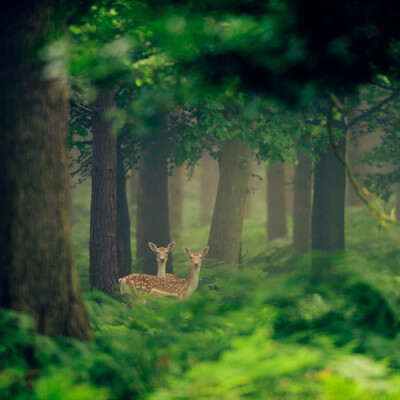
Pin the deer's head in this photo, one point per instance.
(196, 258)
(161, 252)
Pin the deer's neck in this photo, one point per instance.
(192, 280)
(161, 269)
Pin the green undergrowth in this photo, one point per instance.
(246, 333)
(275, 327)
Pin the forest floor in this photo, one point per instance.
(263, 330)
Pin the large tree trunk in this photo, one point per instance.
(153, 215)
(328, 202)
(276, 202)
(227, 220)
(175, 199)
(208, 187)
(302, 205)
(103, 248)
(124, 253)
(37, 273)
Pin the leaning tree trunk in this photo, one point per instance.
(175, 199)
(227, 219)
(302, 205)
(153, 215)
(124, 253)
(37, 273)
(328, 202)
(103, 248)
(276, 202)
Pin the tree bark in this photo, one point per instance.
(175, 200)
(208, 187)
(302, 205)
(153, 215)
(37, 273)
(289, 171)
(103, 244)
(228, 215)
(328, 201)
(133, 187)
(124, 253)
(276, 202)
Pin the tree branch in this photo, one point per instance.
(369, 112)
(374, 209)
(86, 108)
(392, 89)
(86, 142)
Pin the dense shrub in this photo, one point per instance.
(264, 330)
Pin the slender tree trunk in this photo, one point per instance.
(153, 215)
(37, 273)
(276, 202)
(133, 187)
(103, 244)
(302, 205)
(328, 202)
(227, 219)
(140, 249)
(208, 187)
(289, 191)
(124, 253)
(175, 200)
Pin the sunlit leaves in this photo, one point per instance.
(63, 386)
(104, 63)
(56, 57)
(156, 69)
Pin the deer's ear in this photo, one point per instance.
(204, 251)
(171, 246)
(187, 251)
(153, 247)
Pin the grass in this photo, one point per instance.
(266, 330)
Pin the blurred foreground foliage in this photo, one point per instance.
(264, 330)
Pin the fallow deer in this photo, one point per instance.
(161, 256)
(169, 285)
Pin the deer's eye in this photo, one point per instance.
(191, 257)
